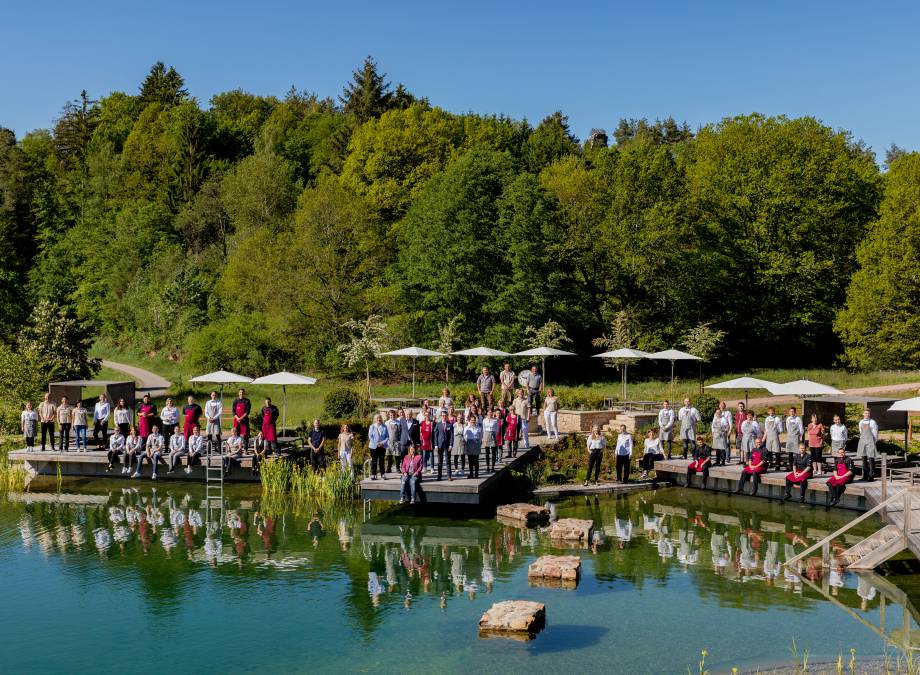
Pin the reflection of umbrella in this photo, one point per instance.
(673, 355)
(543, 352)
(745, 383)
(627, 355)
(221, 377)
(414, 352)
(804, 388)
(284, 378)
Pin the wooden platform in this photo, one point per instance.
(772, 484)
(462, 490)
(92, 464)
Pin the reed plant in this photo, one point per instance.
(13, 475)
(281, 477)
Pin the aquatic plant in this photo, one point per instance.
(13, 476)
(281, 477)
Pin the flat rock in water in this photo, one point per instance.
(572, 529)
(525, 513)
(563, 567)
(521, 618)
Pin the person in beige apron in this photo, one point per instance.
(867, 449)
(773, 427)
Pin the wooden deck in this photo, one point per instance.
(461, 490)
(772, 484)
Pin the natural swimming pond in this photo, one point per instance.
(105, 578)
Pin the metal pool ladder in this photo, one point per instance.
(214, 485)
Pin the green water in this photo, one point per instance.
(85, 590)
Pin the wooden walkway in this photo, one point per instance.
(772, 484)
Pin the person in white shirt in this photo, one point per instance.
(195, 447)
(213, 409)
(624, 448)
(177, 449)
(233, 450)
(101, 412)
(122, 414)
(666, 427)
(795, 430)
(651, 452)
(689, 417)
(152, 453)
(445, 402)
(133, 446)
(772, 428)
(28, 421)
(169, 416)
(726, 415)
(867, 449)
(596, 443)
(116, 447)
(839, 435)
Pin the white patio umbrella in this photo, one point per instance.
(414, 353)
(284, 378)
(906, 405)
(543, 352)
(221, 377)
(745, 383)
(625, 354)
(481, 351)
(673, 355)
(804, 388)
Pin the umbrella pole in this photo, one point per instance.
(283, 408)
(543, 360)
(413, 377)
(625, 369)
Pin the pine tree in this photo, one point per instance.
(163, 86)
(368, 95)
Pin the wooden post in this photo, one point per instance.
(884, 476)
(906, 516)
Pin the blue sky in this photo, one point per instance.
(853, 65)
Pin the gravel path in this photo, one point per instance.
(146, 382)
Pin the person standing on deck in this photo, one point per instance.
(596, 443)
(377, 437)
(624, 448)
(393, 446)
(443, 442)
(772, 428)
(867, 449)
(169, 416)
(535, 387)
(507, 379)
(816, 444)
(80, 415)
(101, 413)
(801, 472)
(213, 410)
(689, 417)
(730, 422)
(472, 438)
(490, 442)
(191, 413)
(840, 478)
(65, 420)
(270, 414)
(28, 422)
(551, 414)
(425, 433)
(839, 437)
(485, 385)
(666, 427)
(740, 417)
(146, 415)
(122, 417)
(408, 432)
(241, 409)
(512, 433)
(346, 444)
(750, 431)
(459, 455)
(46, 415)
(720, 442)
(522, 409)
(794, 433)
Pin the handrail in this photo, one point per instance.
(833, 535)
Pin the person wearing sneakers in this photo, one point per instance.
(152, 453)
(133, 447)
(177, 450)
(195, 447)
(116, 447)
(802, 468)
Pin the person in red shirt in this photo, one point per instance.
(411, 470)
(425, 430)
(815, 433)
(191, 412)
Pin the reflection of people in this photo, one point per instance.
(801, 472)
(411, 475)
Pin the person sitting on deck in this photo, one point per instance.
(651, 452)
(840, 478)
(153, 453)
(801, 472)
(195, 447)
(259, 449)
(233, 451)
(753, 469)
(132, 448)
(411, 475)
(177, 449)
(701, 462)
(116, 447)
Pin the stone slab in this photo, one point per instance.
(571, 530)
(529, 514)
(513, 617)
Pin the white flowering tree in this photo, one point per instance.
(369, 339)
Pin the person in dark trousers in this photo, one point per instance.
(701, 462)
(753, 469)
(596, 443)
(443, 442)
(316, 439)
(624, 448)
(408, 432)
(801, 472)
(46, 416)
(840, 478)
(101, 412)
(241, 409)
(377, 437)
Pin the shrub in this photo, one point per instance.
(707, 404)
(342, 403)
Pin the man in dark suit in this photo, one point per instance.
(443, 441)
(408, 431)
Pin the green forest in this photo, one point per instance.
(255, 232)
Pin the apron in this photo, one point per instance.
(241, 426)
(866, 447)
(392, 438)
(805, 475)
(688, 426)
(719, 436)
(756, 457)
(841, 468)
(268, 425)
(747, 436)
(698, 463)
(772, 429)
(30, 424)
(793, 437)
(665, 434)
(145, 424)
(189, 422)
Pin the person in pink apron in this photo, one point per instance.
(146, 416)
(191, 413)
(269, 425)
(754, 468)
(241, 409)
(842, 476)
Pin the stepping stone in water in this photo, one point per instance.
(555, 571)
(572, 530)
(518, 619)
(522, 514)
